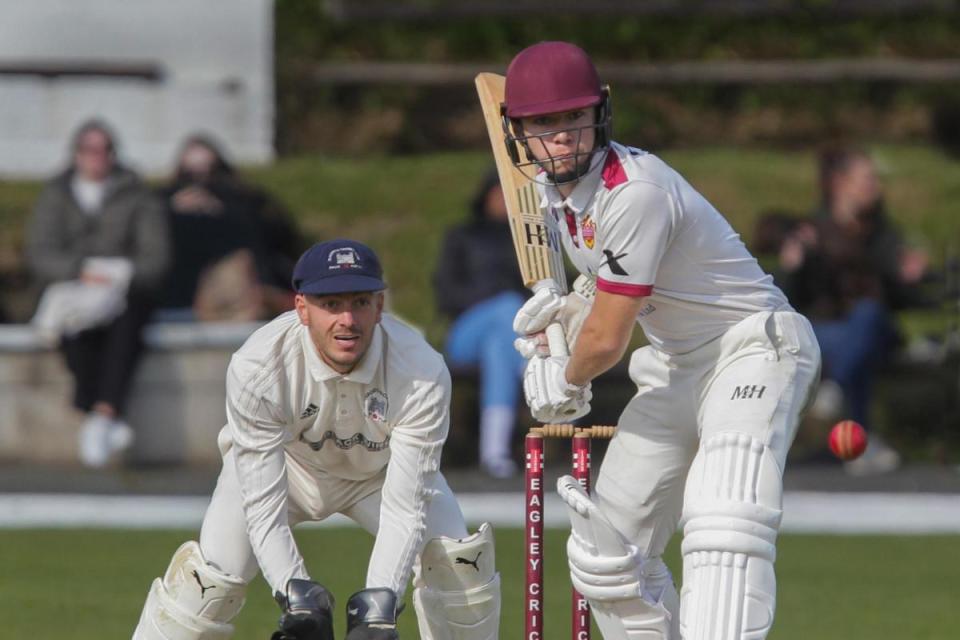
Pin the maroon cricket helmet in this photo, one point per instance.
(551, 77)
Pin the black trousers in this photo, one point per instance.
(104, 359)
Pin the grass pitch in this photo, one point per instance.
(90, 584)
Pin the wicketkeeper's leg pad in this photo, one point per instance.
(609, 571)
(731, 516)
(192, 601)
(457, 588)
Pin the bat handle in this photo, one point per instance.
(556, 340)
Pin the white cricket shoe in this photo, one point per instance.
(94, 445)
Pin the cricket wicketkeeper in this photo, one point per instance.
(720, 388)
(335, 407)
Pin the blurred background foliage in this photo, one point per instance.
(408, 118)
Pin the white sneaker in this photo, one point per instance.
(94, 447)
(878, 458)
(120, 436)
(827, 404)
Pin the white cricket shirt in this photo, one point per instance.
(288, 411)
(637, 227)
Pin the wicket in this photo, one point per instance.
(533, 522)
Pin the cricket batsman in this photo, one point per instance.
(721, 386)
(335, 407)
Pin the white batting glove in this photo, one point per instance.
(550, 397)
(540, 310)
(533, 346)
(576, 307)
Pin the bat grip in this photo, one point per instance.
(556, 340)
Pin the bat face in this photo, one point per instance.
(538, 248)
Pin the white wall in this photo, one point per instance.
(217, 63)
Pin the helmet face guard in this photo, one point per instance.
(547, 170)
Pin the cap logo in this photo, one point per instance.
(343, 258)
(337, 266)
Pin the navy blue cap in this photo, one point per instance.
(338, 266)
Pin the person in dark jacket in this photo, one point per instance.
(846, 269)
(215, 217)
(478, 285)
(98, 210)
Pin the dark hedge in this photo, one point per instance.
(411, 119)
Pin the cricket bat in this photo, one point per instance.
(538, 250)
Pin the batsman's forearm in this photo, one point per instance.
(604, 337)
(595, 352)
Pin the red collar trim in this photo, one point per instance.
(613, 173)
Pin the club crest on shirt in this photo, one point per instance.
(375, 405)
(588, 230)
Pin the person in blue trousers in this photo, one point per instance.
(478, 286)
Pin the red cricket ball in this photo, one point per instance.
(847, 439)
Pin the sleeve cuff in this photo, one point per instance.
(624, 289)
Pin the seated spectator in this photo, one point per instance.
(234, 245)
(846, 269)
(478, 285)
(17, 297)
(98, 241)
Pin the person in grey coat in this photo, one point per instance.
(97, 213)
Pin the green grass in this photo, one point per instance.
(402, 204)
(89, 584)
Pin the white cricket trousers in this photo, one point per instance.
(756, 379)
(223, 536)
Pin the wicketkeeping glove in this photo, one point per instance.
(550, 397)
(307, 612)
(372, 615)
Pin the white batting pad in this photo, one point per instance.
(457, 589)
(193, 601)
(732, 510)
(608, 571)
